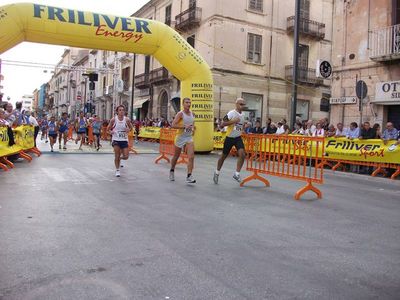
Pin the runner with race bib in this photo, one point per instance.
(184, 121)
(235, 122)
(119, 128)
(80, 127)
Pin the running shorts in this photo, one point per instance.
(230, 142)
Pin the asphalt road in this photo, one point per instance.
(70, 230)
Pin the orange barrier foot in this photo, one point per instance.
(8, 163)
(181, 160)
(4, 167)
(337, 166)
(324, 163)
(395, 174)
(36, 151)
(132, 150)
(378, 171)
(25, 156)
(162, 156)
(308, 187)
(255, 176)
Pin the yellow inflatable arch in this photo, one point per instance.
(60, 26)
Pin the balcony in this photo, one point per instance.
(142, 81)
(305, 76)
(159, 76)
(385, 43)
(188, 19)
(307, 27)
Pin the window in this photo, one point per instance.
(254, 42)
(147, 64)
(303, 62)
(168, 15)
(256, 5)
(253, 108)
(192, 3)
(191, 40)
(302, 109)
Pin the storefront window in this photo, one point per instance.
(253, 107)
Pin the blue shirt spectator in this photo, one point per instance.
(390, 132)
(353, 132)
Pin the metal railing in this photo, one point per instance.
(142, 80)
(188, 19)
(159, 75)
(305, 75)
(385, 43)
(308, 27)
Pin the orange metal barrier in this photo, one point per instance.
(285, 156)
(70, 132)
(167, 146)
(336, 164)
(90, 138)
(131, 137)
(104, 134)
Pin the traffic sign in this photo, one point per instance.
(343, 100)
(361, 89)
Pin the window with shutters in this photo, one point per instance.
(256, 5)
(168, 15)
(305, 9)
(254, 45)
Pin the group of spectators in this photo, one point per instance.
(322, 128)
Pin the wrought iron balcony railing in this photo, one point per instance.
(159, 76)
(305, 75)
(385, 43)
(142, 81)
(308, 27)
(188, 19)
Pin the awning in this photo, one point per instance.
(139, 103)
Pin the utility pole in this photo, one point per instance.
(133, 83)
(295, 63)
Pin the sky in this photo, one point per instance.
(21, 81)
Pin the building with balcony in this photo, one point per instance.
(366, 46)
(249, 48)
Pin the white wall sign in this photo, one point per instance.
(343, 100)
(387, 92)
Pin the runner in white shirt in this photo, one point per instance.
(184, 122)
(235, 122)
(119, 128)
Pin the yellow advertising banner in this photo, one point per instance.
(362, 150)
(5, 149)
(150, 132)
(24, 136)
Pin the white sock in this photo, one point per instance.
(217, 172)
(237, 173)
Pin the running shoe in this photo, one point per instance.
(215, 178)
(237, 178)
(190, 179)
(117, 173)
(47, 141)
(65, 148)
(172, 176)
(121, 165)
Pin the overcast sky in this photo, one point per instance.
(21, 81)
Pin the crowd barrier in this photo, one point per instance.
(167, 146)
(24, 143)
(285, 156)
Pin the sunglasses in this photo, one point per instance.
(242, 104)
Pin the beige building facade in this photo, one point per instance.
(366, 46)
(249, 48)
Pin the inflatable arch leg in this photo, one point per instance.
(59, 26)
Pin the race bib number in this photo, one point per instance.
(122, 134)
(188, 130)
(238, 127)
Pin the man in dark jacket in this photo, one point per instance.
(367, 132)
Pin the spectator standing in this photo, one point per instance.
(257, 129)
(280, 129)
(367, 132)
(320, 132)
(340, 131)
(353, 132)
(331, 132)
(378, 131)
(390, 133)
